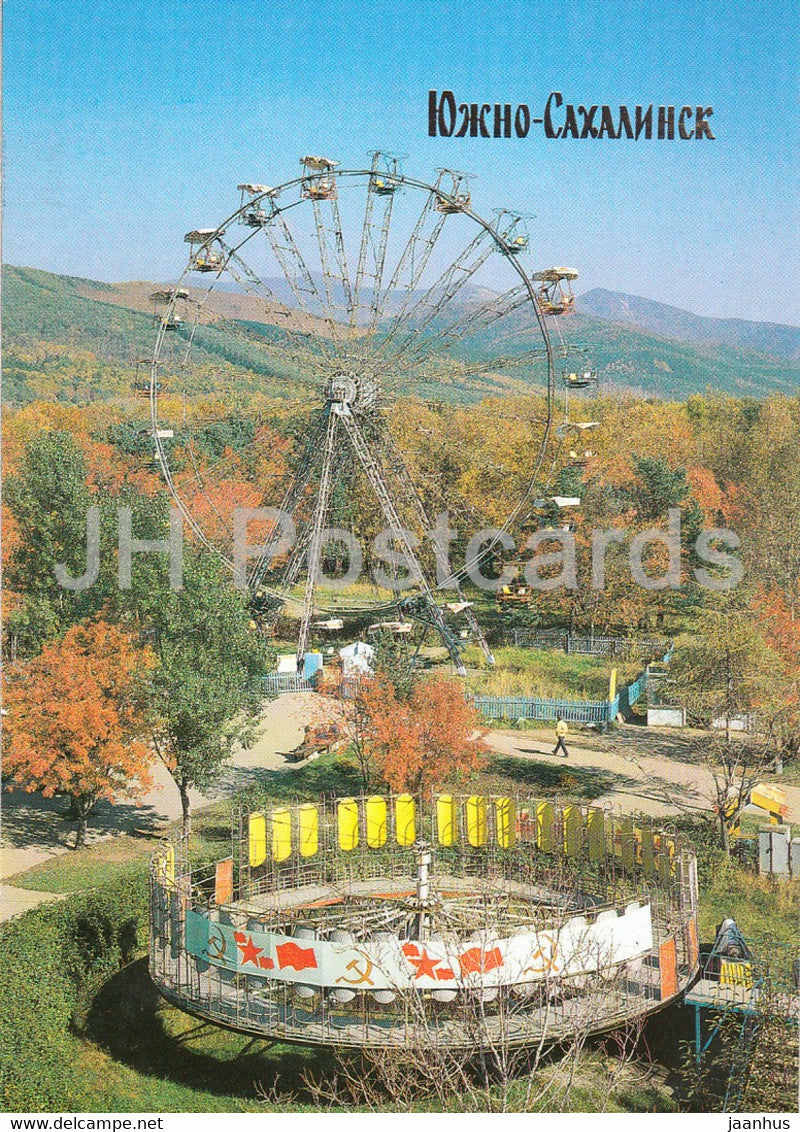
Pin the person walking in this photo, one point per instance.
(561, 734)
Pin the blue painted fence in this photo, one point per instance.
(574, 711)
(523, 707)
(501, 707)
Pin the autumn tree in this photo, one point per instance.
(781, 631)
(418, 741)
(77, 719)
(725, 671)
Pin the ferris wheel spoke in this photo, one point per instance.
(400, 468)
(472, 322)
(263, 293)
(299, 278)
(292, 496)
(441, 292)
(413, 262)
(374, 242)
(425, 609)
(341, 257)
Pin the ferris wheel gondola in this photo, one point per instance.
(554, 290)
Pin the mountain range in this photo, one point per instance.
(73, 339)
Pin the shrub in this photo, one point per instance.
(52, 960)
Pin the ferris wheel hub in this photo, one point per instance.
(351, 392)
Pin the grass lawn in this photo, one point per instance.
(549, 675)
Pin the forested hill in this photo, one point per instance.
(76, 340)
(671, 322)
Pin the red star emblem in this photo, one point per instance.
(423, 964)
(250, 952)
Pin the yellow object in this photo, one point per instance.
(477, 825)
(596, 834)
(376, 821)
(770, 798)
(571, 818)
(405, 825)
(664, 864)
(505, 822)
(446, 819)
(309, 830)
(545, 820)
(281, 834)
(648, 853)
(612, 685)
(735, 973)
(257, 839)
(347, 813)
(561, 729)
(165, 865)
(628, 851)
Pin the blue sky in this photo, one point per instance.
(127, 124)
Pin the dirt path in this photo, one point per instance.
(656, 773)
(34, 829)
(648, 779)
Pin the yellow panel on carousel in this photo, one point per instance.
(309, 830)
(257, 839)
(505, 819)
(281, 834)
(477, 824)
(347, 814)
(376, 821)
(545, 826)
(596, 834)
(663, 865)
(628, 851)
(165, 865)
(648, 853)
(446, 819)
(405, 819)
(573, 823)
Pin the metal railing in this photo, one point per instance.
(586, 645)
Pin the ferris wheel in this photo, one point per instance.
(347, 297)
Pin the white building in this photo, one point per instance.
(356, 658)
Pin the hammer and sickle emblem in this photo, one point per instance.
(549, 963)
(216, 944)
(361, 976)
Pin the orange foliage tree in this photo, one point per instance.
(75, 719)
(417, 741)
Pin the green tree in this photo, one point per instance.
(657, 487)
(48, 498)
(205, 701)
